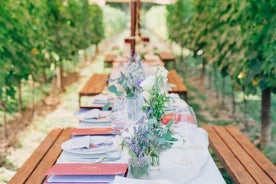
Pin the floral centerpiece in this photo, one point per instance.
(155, 93)
(138, 147)
(129, 82)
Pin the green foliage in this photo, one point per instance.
(97, 24)
(36, 36)
(237, 37)
(180, 14)
(114, 20)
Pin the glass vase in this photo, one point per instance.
(134, 107)
(139, 167)
(155, 163)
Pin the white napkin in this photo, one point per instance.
(86, 141)
(95, 116)
(79, 142)
(91, 114)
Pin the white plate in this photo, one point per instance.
(96, 147)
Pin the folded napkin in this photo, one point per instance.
(79, 142)
(86, 143)
(94, 115)
(91, 114)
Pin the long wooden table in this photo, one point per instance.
(42, 158)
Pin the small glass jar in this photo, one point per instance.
(139, 168)
(155, 163)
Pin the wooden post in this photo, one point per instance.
(133, 4)
(138, 26)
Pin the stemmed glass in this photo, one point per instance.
(185, 122)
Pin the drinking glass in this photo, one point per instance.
(118, 115)
(185, 122)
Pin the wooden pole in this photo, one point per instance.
(133, 4)
(138, 28)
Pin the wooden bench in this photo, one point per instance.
(42, 158)
(167, 57)
(109, 59)
(93, 86)
(241, 159)
(179, 87)
(152, 60)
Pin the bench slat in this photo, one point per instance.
(263, 162)
(179, 87)
(94, 85)
(249, 164)
(229, 160)
(28, 167)
(167, 57)
(49, 159)
(109, 58)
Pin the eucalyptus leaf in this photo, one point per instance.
(112, 88)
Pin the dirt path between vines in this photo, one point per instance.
(9, 137)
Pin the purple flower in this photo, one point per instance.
(138, 82)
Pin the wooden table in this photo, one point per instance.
(45, 156)
(42, 158)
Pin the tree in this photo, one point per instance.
(260, 57)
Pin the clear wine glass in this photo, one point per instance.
(185, 122)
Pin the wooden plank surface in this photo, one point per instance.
(109, 58)
(31, 163)
(248, 163)
(235, 169)
(94, 85)
(179, 87)
(166, 56)
(267, 166)
(49, 159)
(175, 79)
